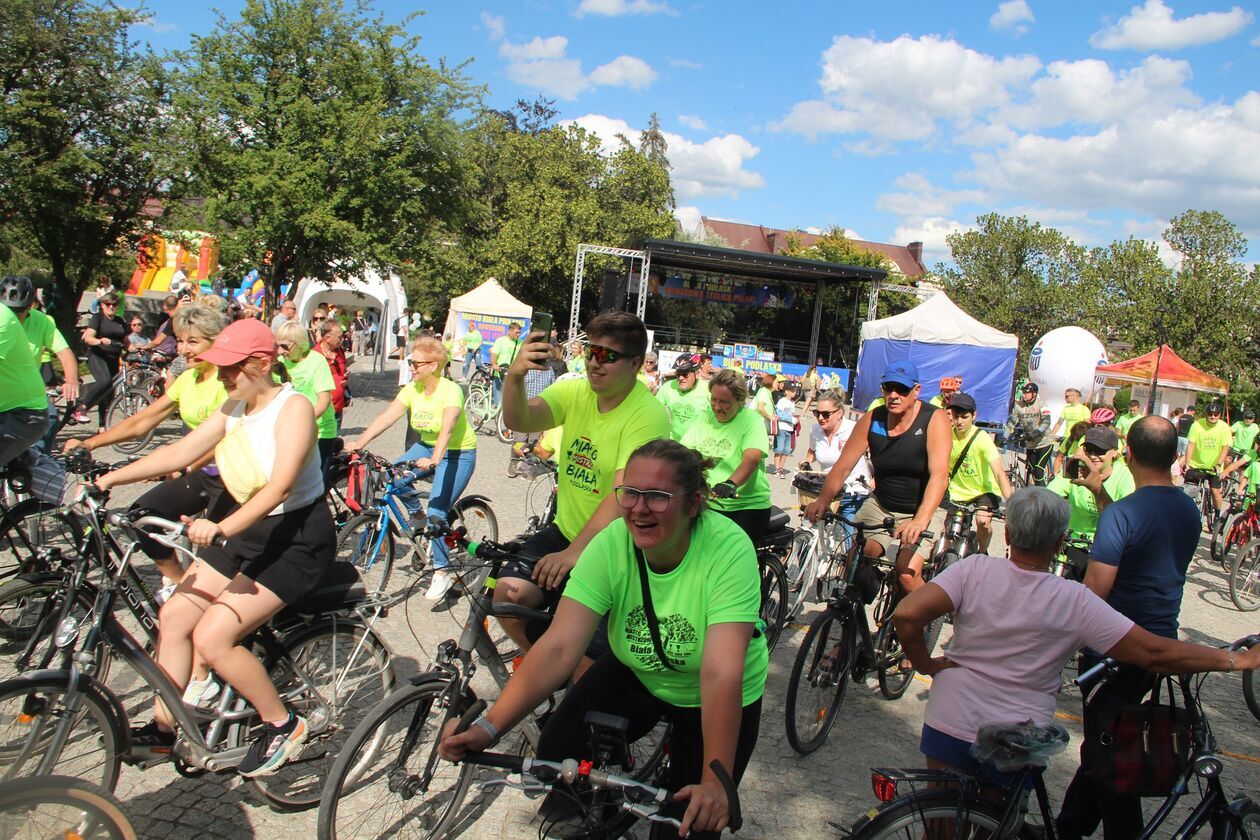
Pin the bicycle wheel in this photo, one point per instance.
(795, 564)
(1238, 532)
(130, 402)
(504, 433)
(893, 678)
(774, 596)
(345, 671)
(60, 806)
(1244, 578)
(367, 541)
(29, 611)
(476, 518)
(820, 675)
(538, 498)
(388, 780)
(33, 530)
(32, 707)
(477, 406)
(934, 815)
(1216, 544)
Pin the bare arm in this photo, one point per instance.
(1004, 483)
(383, 421)
(747, 466)
(322, 400)
(1170, 656)
(1100, 577)
(912, 616)
(131, 427)
(70, 371)
(172, 457)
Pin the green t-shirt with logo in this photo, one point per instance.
(596, 445)
(717, 582)
(504, 350)
(197, 399)
(1124, 422)
(1084, 507)
(685, 406)
(311, 377)
(726, 444)
(1209, 442)
(424, 412)
(21, 386)
(472, 340)
(1071, 415)
(1245, 437)
(763, 404)
(43, 335)
(974, 476)
(1251, 473)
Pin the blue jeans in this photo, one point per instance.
(849, 504)
(470, 360)
(497, 379)
(450, 478)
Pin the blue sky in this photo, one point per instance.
(898, 121)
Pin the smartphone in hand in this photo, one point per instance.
(541, 323)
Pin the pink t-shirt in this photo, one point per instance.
(1013, 632)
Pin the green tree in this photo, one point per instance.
(322, 138)
(84, 138)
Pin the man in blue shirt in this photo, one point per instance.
(1138, 563)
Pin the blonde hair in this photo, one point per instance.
(430, 344)
(294, 333)
(204, 320)
(732, 380)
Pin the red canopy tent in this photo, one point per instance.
(1174, 372)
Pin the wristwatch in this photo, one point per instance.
(490, 728)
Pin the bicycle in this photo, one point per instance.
(1020, 471)
(368, 540)
(30, 526)
(1244, 577)
(815, 550)
(60, 806)
(326, 660)
(1238, 526)
(480, 406)
(388, 779)
(840, 646)
(944, 803)
(541, 494)
(959, 537)
(1200, 490)
(127, 399)
(771, 546)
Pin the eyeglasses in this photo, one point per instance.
(897, 388)
(284, 345)
(604, 355)
(413, 363)
(657, 501)
(823, 415)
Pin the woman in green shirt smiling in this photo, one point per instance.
(312, 377)
(701, 664)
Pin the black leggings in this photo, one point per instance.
(609, 686)
(104, 369)
(754, 521)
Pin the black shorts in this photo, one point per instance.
(1194, 476)
(187, 495)
(287, 553)
(991, 501)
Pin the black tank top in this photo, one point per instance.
(900, 463)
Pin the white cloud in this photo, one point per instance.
(931, 232)
(539, 48)
(898, 90)
(712, 168)
(559, 77)
(624, 71)
(1152, 27)
(689, 218)
(686, 64)
(617, 8)
(152, 23)
(1012, 16)
(870, 148)
(920, 198)
(496, 26)
(693, 122)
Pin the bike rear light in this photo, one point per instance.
(451, 541)
(884, 787)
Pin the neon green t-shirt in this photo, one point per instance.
(1084, 508)
(1245, 436)
(551, 440)
(726, 444)
(974, 477)
(43, 335)
(1251, 473)
(21, 386)
(311, 377)
(1124, 422)
(937, 401)
(595, 445)
(717, 582)
(763, 404)
(504, 350)
(472, 340)
(684, 406)
(197, 400)
(425, 413)
(576, 365)
(1071, 415)
(1209, 442)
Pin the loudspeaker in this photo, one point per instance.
(613, 287)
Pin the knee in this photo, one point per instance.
(177, 618)
(211, 642)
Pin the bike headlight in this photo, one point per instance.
(67, 632)
(1208, 766)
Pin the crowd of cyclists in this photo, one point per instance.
(663, 487)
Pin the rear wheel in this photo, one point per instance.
(820, 675)
(128, 404)
(60, 806)
(1239, 531)
(367, 541)
(934, 814)
(33, 534)
(774, 597)
(1244, 578)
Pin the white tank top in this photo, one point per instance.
(247, 455)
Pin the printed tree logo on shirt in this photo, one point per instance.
(678, 638)
(716, 447)
(579, 465)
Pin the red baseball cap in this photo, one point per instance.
(239, 341)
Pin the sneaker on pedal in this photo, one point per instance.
(151, 739)
(202, 692)
(275, 746)
(80, 416)
(442, 583)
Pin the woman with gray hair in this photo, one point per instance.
(1015, 625)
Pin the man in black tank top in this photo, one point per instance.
(909, 443)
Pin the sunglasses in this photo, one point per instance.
(1094, 450)
(823, 415)
(604, 355)
(657, 501)
(109, 303)
(419, 364)
(897, 388)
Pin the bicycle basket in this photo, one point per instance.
(1011, 747)
(809, 482)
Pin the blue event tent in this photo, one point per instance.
(941, 340)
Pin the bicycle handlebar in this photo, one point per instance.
(888, 525)
(1110, 666)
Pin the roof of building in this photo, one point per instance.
(908, 259)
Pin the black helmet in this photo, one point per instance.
(1212, 408)
(17, 292)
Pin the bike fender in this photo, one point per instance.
(467, 500)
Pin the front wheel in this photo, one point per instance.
(820, 675)
(61, 806)
(128, 404)
(1238, 532)
(477, 406)
(932, 813)
(1244, 578)
(774, 597)
(501, 428)
(367, 542)
(388, 780)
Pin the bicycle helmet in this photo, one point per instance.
(1102, 416)
(1212, 408)
(951, 383)
(17, 292)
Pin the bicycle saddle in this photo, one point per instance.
(339, 587)
(1011, 747)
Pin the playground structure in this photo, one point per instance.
(161, 254)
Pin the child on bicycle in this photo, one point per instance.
(976, 476)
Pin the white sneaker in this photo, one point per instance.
(442, 583)
(201, 692)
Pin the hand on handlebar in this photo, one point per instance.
(551, 569)
(815, 509)
(202, 531)
(909, 532)
(456, 746)
(707, 806)
(725, 490)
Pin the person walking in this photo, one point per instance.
(105, 337)
(472, 349)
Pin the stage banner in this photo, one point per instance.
(718, 288)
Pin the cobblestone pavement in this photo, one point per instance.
(784, 795)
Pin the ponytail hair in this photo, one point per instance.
(689, 467)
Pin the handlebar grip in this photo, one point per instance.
(732, 795)
(474, 712)
(1093, 673)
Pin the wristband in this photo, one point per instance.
(490, 729)
(1231, 662)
